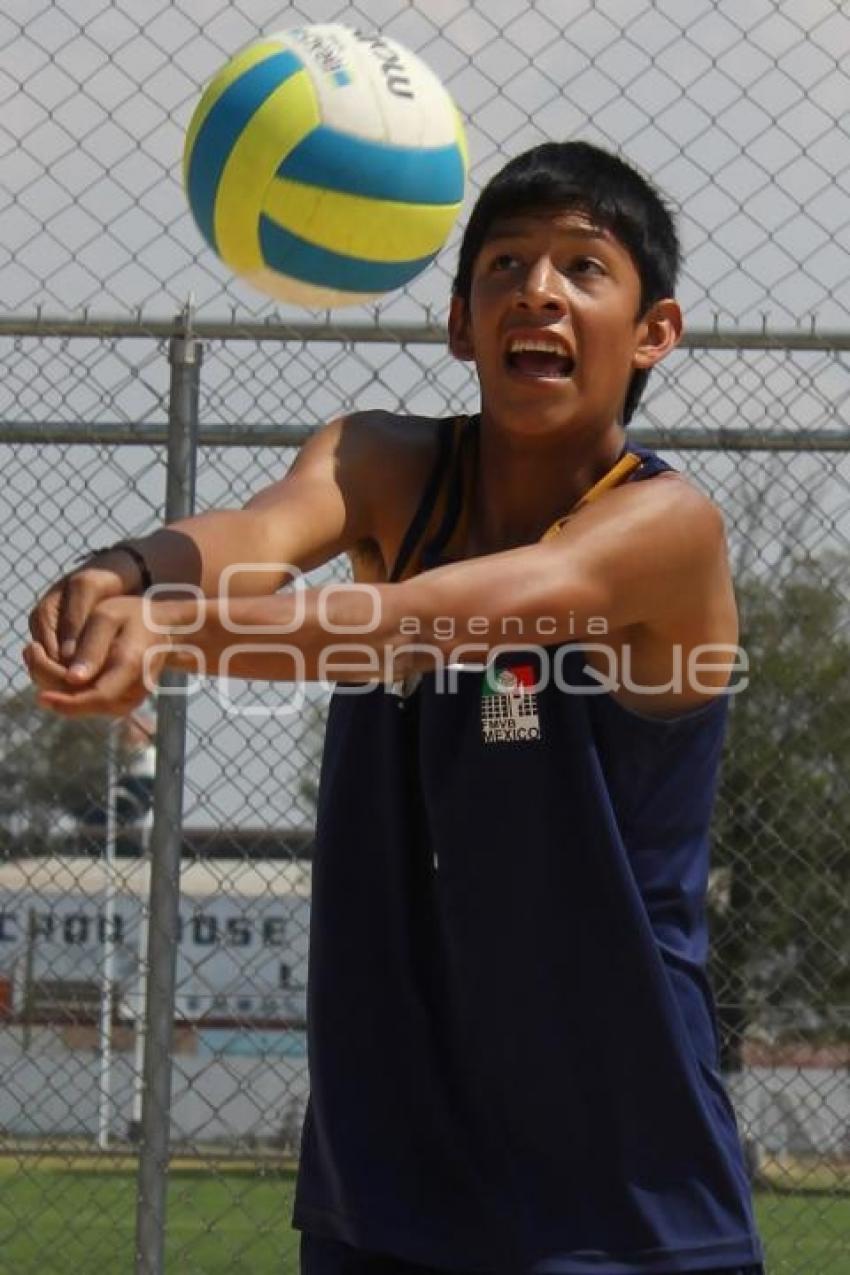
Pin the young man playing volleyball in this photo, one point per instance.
(513, 1052)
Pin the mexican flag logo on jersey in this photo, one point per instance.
(509, 713)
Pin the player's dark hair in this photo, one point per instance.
(577, 175)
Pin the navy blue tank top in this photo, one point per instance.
(512, 1043)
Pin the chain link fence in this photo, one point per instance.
(739, 113)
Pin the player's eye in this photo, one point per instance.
(585, 266)
(503, 261)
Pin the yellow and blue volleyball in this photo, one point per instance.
(325, 166)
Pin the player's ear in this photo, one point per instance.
(460, 334)
(659, 332)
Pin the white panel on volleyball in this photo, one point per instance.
(389, 87)
(415, 106)
(330, 52)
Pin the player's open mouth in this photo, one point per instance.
(542, 358)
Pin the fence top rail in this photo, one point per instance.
(293, 434)
(376, 333)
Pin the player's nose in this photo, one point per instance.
(542, 287)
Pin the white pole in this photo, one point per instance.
(147, 767)
(140, 1002)
(108, 969)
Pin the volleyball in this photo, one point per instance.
(324, 166)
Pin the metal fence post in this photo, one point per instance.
(184, 354)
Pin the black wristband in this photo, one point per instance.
(127, 547)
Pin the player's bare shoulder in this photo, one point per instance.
(667, 515)
(689, 530)
(388, 458)
(667, 534)
(684, 507)
(691, 548)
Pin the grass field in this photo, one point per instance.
(57, 1219)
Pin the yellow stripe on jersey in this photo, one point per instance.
(438, 512)
(617, 474)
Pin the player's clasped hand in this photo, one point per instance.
(58, 618)
(116, 661)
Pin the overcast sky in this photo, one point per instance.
(737, 108)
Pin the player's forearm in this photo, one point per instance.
(379, 632)
(197, 550)
(526, 595)
(344, 633)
